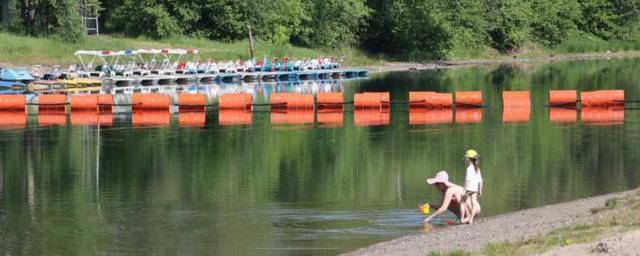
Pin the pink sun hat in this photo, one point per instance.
(441, 176)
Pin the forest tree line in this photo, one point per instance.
(405, 29)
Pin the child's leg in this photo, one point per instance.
(464, 213)
(476, 207)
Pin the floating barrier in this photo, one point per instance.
(192, 119)
(87, 117)
(468, 115)
(371, 117)
(291, 101)
(563, 115)
(12, 102)
(430, 116)
(234, 117)
(379, 100)
(563, 97)
(151, 101)
(469, 98)
(430, 100)
(298, 116)
(235, 101)
(191, 102)
(602, 115)
(516, 99)
(13, 119)
(331, 118)
(155, 117)
(332, 101)
(95, 102)
(602, 98)
(52, 102)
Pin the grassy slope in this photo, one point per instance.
(20, 50)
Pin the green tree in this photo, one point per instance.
(47, 18)
(509, 23)
(332, 23)
(554, 20)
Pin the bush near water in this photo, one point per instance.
(393, 29)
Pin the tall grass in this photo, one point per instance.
(23, 50)
(587, 43)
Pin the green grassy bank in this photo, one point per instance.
(24, 51)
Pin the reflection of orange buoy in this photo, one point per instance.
(468, 115)
(368, 117)
(94, 102)
(469, 98)
(334, 118)
(603, 115)
(516, 99)
(193, 119)
(12, 102)
(52, 117)
(300, 116)
(602, 98)
(563, 115)
(291, 101)
(13, 119)
(191, 102)
(52, 102)
(88, 117)
(430, 116)
(151, 101)
(516, 114)
(235, 101)
(234, 117)
(563, 97)
(332, 100)
(372, 100)
(150, 118)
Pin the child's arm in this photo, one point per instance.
(445, 204)
(480, 188)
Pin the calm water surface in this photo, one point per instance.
(331, 184)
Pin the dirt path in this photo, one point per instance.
(513, 227)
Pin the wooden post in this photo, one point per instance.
(251, 43)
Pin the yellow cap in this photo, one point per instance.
(471, 154)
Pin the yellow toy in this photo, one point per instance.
(424, 208)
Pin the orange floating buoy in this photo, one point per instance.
(331, 118)
(380, 100)
(563, 97)
(430, 116)
(234, 117)
(191, 102)
(51, 117)
(430, 99)
(13, 119)
(516, 114)
(151, 101)
(153, 117)
(468, 115)
(602, 115)
(192, 119)
(371, 117)
(235, 101)
(602, 98)
(563, 115)
(469, 98)
(284, 100)
(87, 117)
(53, 102)
(299, 116)
(13, 102)
(95, 102)
(516, 99)
(331, 100)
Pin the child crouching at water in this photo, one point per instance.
(470, 207)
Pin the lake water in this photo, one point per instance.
(300, 184)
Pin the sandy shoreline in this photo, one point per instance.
(407, 66)
(512, 227)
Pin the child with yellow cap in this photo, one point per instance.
(470, 207)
